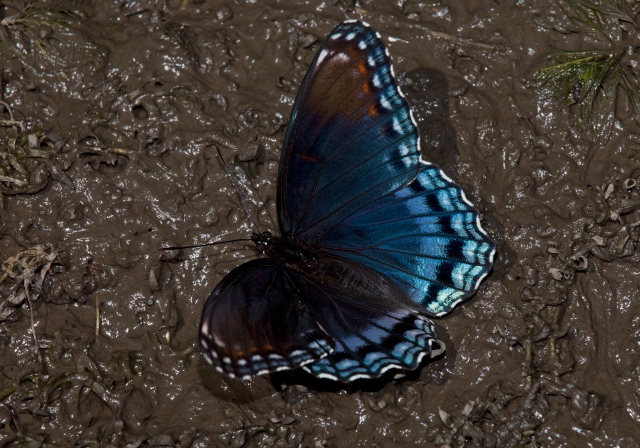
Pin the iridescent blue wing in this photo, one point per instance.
(350, 139)
(425, 236)
(371, 333)
(254, 323)
(352, 183)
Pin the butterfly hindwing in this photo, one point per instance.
(425, 236)
(374, 328)
(254, 323)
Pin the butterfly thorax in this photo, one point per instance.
(285, 251)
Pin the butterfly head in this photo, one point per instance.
(263, 241)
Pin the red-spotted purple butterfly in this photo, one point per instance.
(373, 238)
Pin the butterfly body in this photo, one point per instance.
(324, 269)
(373, 239)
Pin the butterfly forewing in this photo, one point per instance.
(350, 139)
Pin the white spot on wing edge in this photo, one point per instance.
(384, 102)
(396, 125)
(323, 54)
(342, 57)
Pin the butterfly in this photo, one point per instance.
(373, 238)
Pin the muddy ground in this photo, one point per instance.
(112, 112)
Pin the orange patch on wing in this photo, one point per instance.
(372, 111)
(362, 67)
(269, 347)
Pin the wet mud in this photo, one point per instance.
(111, 116)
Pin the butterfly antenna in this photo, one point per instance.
(236, 185)
(162, 249)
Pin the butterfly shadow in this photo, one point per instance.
(427, 92)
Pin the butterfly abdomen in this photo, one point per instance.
(339, 274)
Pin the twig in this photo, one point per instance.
(457, 40)
(97, 304)
(11, 121)
(33, 325)
(18, 182)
